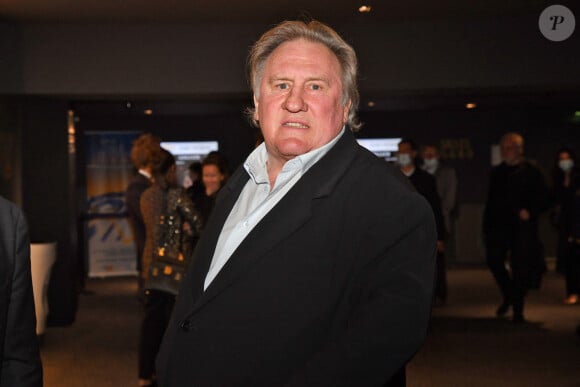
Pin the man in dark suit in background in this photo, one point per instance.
(516, 197)
(316, 267)
(426, 185)
(144, 149)
(20, 363)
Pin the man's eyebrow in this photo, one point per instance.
(318, 79)
(275, 78)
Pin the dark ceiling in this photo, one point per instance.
(256, 11)
(273, 11)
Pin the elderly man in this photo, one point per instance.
(516, 197)
(19, 356)
(317, 265)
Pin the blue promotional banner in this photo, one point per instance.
(110, 247)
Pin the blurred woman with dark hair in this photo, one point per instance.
(214, 172)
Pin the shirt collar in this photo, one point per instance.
(255, 164)
(145, 173)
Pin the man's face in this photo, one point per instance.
(406, 149)
(405, 155)
(511, 150)
(299, 104)
(430, 153)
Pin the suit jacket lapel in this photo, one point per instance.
(206, 246)
(288, 215)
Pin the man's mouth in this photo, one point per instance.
(296, 125)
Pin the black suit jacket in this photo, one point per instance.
(19, 356)
(426, 185)
(332, 288)
(137, 185)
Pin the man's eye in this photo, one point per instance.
(282, 86)
(315, 87)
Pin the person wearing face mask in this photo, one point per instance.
(427, 186)
(517, 195)
(566, 191)
(446, 180)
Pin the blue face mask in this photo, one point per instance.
(566, 165)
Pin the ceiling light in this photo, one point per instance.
(371, 104)
(148, 112)
(471, 105)
(364, 8)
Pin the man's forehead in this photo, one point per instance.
(511, 142)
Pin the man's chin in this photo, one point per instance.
(293, 148)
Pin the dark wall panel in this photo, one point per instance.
(48, 199)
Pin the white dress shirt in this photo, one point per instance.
(258, 198)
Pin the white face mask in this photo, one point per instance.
(404, 159)
(431, 164)
(566, 165)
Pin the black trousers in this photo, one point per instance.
(157, 310)
(511, 283)
(441, 280)
(570, 254)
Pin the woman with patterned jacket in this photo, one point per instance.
(172, 226)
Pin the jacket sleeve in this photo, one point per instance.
(21, 365)
(389, 323)
(488, 211)
(438, 213)
(539, 194)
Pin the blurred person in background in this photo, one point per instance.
(214, 172)
(566, 192)
(426, 185)
(196, 187)
(446, 180)
(517, 195)
(20, 364)
(143, 151)
(164, 198)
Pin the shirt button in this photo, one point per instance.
(246, 223)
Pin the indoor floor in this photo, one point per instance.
(467, 345)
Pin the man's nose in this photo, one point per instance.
(295, 101)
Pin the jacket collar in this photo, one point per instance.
(295, 209)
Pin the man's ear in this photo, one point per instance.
(345, 111)
(256, 103)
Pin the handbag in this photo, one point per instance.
(168, 265)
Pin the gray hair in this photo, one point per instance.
(313, 31)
